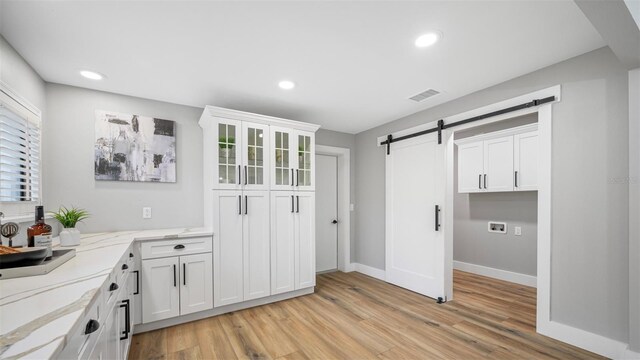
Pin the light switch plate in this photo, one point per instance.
(518, 230)
(146, 213)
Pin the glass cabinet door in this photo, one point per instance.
(256, 141)
(228, 157)
(305, 160)
(281, 155)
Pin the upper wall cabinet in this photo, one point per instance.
(505, 160)
(244, 151)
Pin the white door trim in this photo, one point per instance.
(344, 201)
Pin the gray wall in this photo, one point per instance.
(472, 242)
(343, 140)
(68, 140)
(590, 269)
(20, 76)
(634, 210)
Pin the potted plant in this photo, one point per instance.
(225, 144)
(69, 218)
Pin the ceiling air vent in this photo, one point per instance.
(424, 95)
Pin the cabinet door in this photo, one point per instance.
(470, 167)
(525, 164)
(282, 242)
(498, 164)
(160, 292)
(305, 240)
(196, 283)
(257, 281)
(227, 172)
(255, 159)
(282, 157)
(111, 335)
(227, 247)
(99, 352)
(305, 160)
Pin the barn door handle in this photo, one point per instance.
(437, 217)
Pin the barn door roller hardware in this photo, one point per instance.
(441, 125)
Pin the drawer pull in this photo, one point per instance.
(178, 247)
(137, 282)
(130, 255)
(91, 327)
(127, 319)
(113, 287)
(125, 266)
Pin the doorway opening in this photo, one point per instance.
(333, 209)
(495, 237)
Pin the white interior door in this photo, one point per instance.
(326, 213)
(415, 252)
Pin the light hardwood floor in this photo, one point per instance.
(353, 316)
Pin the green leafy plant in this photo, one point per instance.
(70, 217)
(224, 142)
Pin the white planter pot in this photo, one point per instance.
(70, 237)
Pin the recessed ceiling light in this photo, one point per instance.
(428, 39)
(91, 75)
(286, 84)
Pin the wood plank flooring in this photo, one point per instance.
(353, 316)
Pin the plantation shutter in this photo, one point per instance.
(19, 157)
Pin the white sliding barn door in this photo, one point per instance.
(415, 252)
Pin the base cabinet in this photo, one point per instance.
(175, 286)
(292, 241)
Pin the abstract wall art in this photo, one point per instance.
(134, 148)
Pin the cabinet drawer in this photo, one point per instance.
(175, 247)
(80, 343)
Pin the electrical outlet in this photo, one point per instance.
(518, 230)
(497, 227)
(146, 213)
(351, 207)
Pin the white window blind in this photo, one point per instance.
(19, 157)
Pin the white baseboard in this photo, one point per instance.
(595, 343)
(368, 270)
(505, 275)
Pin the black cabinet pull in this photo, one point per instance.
(127, 318)
(178, 247)
(437, 217)
(91, 327)
(174, 276)
(113, 287)
(239, 204)
(125, 266)
(130, 255)
(298, 203)
(246, 204)
(297, 177)
(184, 274)
(516, 179)
(485, 181)
(334, 221)
(292, 206)
(245, 174)
(291, 177)
(480, 181)
(239, 174)
(137, 282)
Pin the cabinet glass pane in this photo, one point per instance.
(226, 153)
(304, 160)
(282, 158)
(255, 159)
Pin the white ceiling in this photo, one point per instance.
(354, 63)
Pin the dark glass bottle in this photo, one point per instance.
(39, 228)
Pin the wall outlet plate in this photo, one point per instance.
(497, 227)
(146, 213)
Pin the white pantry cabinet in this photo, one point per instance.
(500, 161)
(177, 284)
(292, 241)
(241, 246)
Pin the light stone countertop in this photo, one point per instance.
(38, 312)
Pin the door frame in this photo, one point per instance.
(544, 324)
(344, 202)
